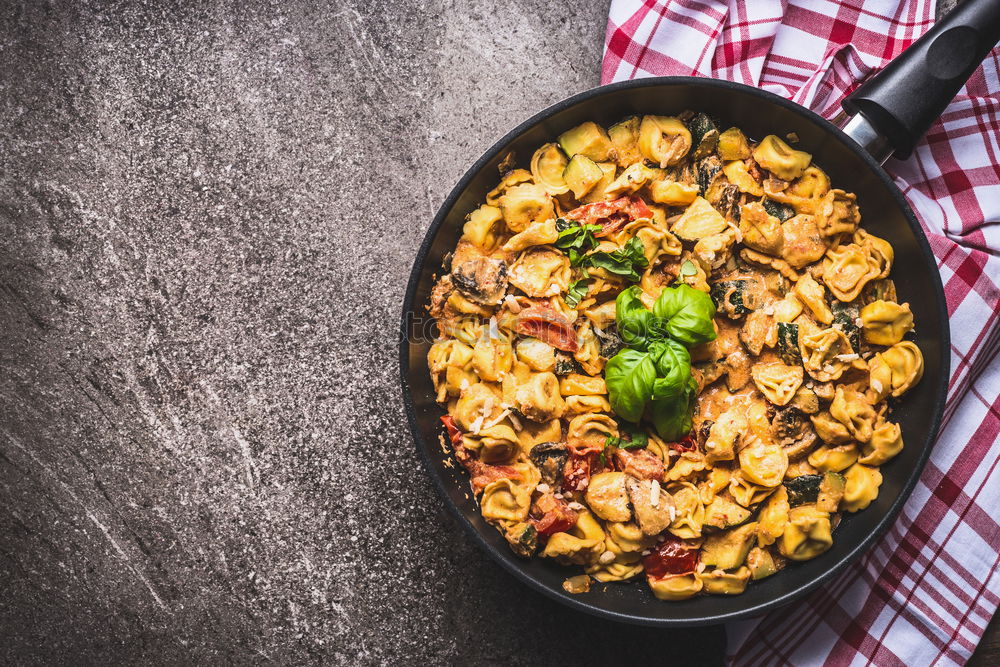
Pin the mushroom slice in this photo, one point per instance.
(482, 280)
(654, 507)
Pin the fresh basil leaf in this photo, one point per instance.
(636, 440)
(688, 313)
(673, 368)
(622, 262)
(688, 269)
(637, 325)
(629, 376)
(671, 416)
(576, 240)
(576, 291)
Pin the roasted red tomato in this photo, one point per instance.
(639, 463)
(611, 215)
(576, 474)
(685, 444)
(556, 516)
(671, 556)
(453, 431)
(547, 325)
(484, 474)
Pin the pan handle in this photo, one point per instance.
(893, 109)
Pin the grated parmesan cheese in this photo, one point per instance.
(512, 304)
(476, 425)
(701, 568)
(654, 493)
(514, 421)
(499, 418)
(846, 357)
(673, 514)
(494, 332)
(575, 506)
(876, 385)
(606, 558)
(543, 488)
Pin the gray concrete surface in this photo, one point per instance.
(207, 213)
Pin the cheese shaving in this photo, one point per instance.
(673, 514)
(654, 493)
(476, 425)
(494, 331)
(606, 558)
(512, 304)
(876, 385)
(846, 357)
(543, 488)
(499, 418)
(514, 421)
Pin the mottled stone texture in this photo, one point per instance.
(207, 214)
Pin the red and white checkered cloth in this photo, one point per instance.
(924, 593)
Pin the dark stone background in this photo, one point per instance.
(208, 211)
(207, 214)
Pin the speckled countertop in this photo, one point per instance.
(207, 214)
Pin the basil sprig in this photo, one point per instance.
(622, 262)
(576, 291)
(651, 378)
(575, 240)
(636, 440)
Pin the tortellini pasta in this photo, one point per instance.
(861, 487)
(852, 409)
(523, 204)
(886, 322)
(541, 271)
(826, 354)
(763, 463)
(504, 499)
(539, 399)
(885, 443)
(676, 587)
(807, 533)
(791, 414)
(778, 382)
(607, 497)
(897, 369)
(690, 512)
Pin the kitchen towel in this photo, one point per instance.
(926, 591)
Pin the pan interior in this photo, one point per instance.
(884, 213)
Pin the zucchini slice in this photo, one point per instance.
(708, 170)
(761, 563)
(625, 138)
(788, 343)
(589, 140)
(728, 297)
(831, 492)
(704, 136)
(845, 318)
(722, 513)
(780, 211)
(581, 175)
(729, 548)
(803, 489)
(733, 145)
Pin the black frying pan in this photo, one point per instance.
(891, 112)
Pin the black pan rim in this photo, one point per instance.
(578, 602)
